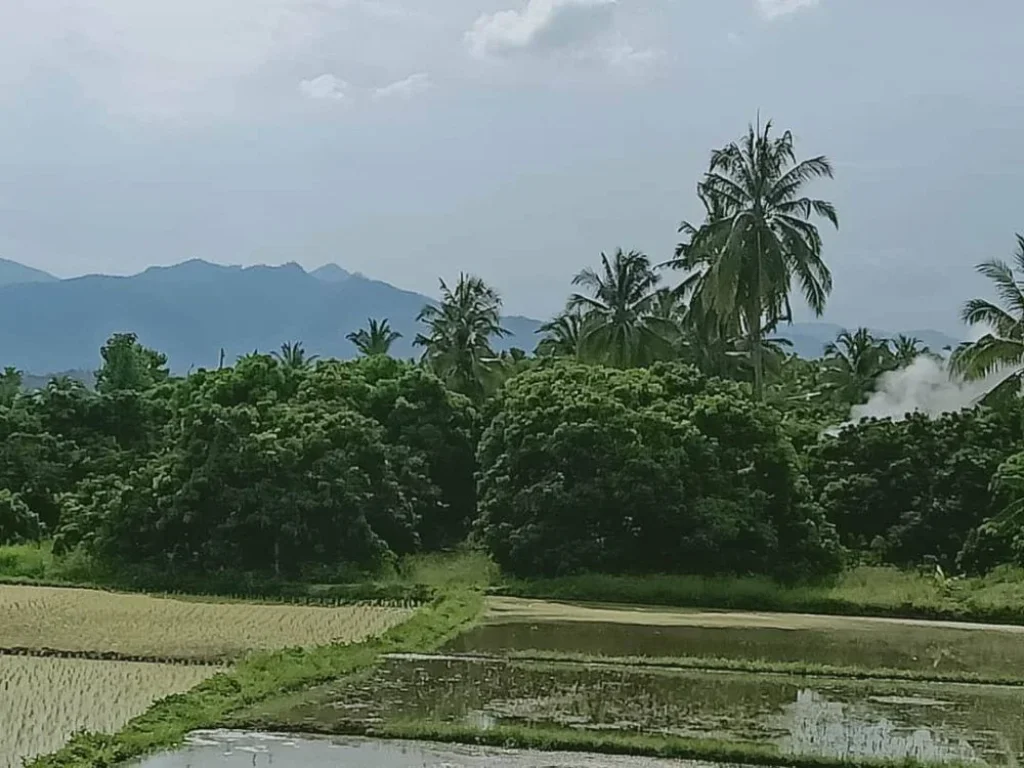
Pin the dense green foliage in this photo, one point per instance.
(270, 465)
(588, 468)
(658, 428)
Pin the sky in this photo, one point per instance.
(514, 139)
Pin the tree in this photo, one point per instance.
(586, 467)
(10, 385)
(129, 366)
(853, 362)
(758, 238)
(1002, 347)
(375, 339)
(457, 344)
(906, 349)
(17, 522)
(564, 336)
(293, 355)
(620, 323)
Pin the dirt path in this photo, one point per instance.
(512, 609)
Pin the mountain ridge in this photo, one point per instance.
(14, 273)
(192, 309)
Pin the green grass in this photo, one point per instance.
(760, 667)
(555, 739)
(865, 591)
(36, 565)
(261, 676)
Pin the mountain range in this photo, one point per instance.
(191, 310)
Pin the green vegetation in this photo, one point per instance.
(262, 675)
(659, 429)
(764, 667)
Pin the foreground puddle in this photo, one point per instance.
(823, 717)
(228, 749)
(850, 642)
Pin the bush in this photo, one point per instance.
(589, 468)
(17, 522)
(916, 490)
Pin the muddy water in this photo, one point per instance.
(823, 717)
(848, 643)
(236, 749)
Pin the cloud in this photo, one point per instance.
(325, 87)
(625, 58)
(168, 59)
(773, 9)
(543, 25)
(405, 89)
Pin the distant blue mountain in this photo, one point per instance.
(11, 272)
(191, 310)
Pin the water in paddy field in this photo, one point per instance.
(809, 716)
(228, 749)
(850, 642)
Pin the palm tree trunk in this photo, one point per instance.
(754, 326)
(754, 341)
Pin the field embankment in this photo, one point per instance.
(865, 591)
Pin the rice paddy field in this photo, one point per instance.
(82, 621)
(43, 701)
(800, 687)
(82, 659)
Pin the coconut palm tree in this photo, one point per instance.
(375, 339)
(853, 362)
(906, 349)
(457, 344)
(563, 336)
(1002, 347)
(758, 237)
(618, 308)
(293, 355)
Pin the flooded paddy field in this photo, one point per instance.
(231, 749)
(481, 682)
(520, 625)
(820, 717)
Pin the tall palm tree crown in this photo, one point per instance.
(758, 237)
(293, 355)
(457, 344)
(1002, 347)
(375, 339)
(853, 362)
(564, 336)
(618, 310)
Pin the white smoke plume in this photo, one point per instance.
(924, 386)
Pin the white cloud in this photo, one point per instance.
(543, 25)
(167, 59)
(405, 89)
(325, 87)
(773, 9)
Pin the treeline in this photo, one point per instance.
(655, 428)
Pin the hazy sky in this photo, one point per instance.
(515, 139)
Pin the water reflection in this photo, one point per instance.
(237, 749)
(837, 718)
(871, 645)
